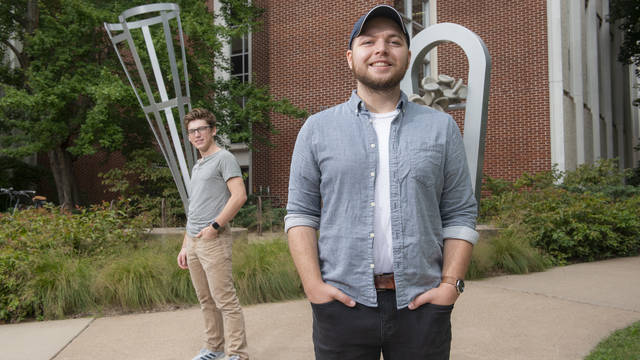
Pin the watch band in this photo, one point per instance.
(450, 280)
(457, 283)
(215, 225)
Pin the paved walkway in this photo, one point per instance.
(558, 314)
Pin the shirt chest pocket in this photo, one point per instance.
(426, 164)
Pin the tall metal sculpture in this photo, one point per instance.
(475, 119)
(159, 108)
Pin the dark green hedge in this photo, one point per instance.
(583, 215)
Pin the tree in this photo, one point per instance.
(626, 13)
(69, 97)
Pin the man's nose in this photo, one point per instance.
(380, 46)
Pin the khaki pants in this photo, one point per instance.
(209, 263)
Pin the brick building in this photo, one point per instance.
(558, 95)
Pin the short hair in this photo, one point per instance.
(200, 114)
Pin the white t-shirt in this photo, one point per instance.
(382, 246)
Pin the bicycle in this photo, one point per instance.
(36, 201)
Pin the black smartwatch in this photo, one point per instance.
(215, 225)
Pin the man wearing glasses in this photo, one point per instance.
(217, 193)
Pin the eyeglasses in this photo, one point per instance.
(199, 130)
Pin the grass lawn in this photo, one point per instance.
(623, 344)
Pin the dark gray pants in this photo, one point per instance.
(362, 332)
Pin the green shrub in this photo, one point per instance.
(61, 285)
(55, 264)
(48, 257)
(590, 215)
(603, 173)
(507, 253)
(135, 281)
(604, 177)
(585, 227)
(88, 231)
(481, 264)
(264, 272)
(247, 217)
(14, 305)
(179, 284)
(144, 181)
(513, 254)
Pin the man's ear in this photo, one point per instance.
(350, 59)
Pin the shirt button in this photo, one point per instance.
(373, 203)
(373, 173)
(373, 145)
(372, 235)
(372, 266)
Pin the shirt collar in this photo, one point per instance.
(357, 105)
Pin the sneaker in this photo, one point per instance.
(206, 354)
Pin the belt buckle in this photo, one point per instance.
(384, 282)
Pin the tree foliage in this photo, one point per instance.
(582, 215)
(626, 13)
(69, 97)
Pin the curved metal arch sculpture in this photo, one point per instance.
(179, 159)
(475, 119)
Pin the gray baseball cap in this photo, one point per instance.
(379, 11)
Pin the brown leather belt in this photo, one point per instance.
(384, 282)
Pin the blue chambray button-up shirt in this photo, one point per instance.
(332, 188)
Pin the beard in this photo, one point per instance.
(378, 84)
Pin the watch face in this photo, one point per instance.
(460, 286)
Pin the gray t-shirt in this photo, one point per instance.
(209, 192)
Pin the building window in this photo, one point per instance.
(241, 71)
(416, 16)
(240, 59)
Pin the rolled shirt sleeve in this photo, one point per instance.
(458, 206)
(304, 202)
(293, 220)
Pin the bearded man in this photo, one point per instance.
(386, 183)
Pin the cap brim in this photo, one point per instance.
(380, 11)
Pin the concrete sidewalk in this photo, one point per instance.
(558, 314)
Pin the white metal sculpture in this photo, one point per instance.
(159, 103)
(441, 94)
(477, 96)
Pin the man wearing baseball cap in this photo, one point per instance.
(386, 183)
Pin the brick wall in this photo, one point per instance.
(86, 170)
(515, 32)
(300, 54)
